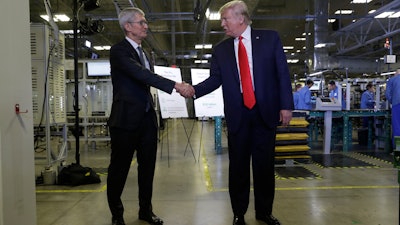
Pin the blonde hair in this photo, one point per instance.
(238, 8)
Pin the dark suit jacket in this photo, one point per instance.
(273, 88)
(131, 86)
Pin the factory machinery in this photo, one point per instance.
(336, 119)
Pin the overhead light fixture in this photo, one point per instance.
(292, 61)
(395, 15)
(344, 12)
(67, 31)
(324, 45)
(384, 15)
(102, 48)
(200, 61)
(88, 44)
(320, 45)
(57, 18)
(288, 47)
(212, 15)
(331, 20)
(360, 1)
(203, 46)
(300, 39)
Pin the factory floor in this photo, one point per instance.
(191, 185)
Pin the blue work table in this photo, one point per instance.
(347, 127)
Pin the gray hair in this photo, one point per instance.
(238, 8)
(127, 14)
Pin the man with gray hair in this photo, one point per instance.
(133, 121)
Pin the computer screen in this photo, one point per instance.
(98, 68)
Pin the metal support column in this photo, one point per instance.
(218, 133)
(327, 131)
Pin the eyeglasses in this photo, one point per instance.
(142, 22)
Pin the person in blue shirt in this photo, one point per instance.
(304, 95)
(334, 92)
(368, 102)
(392, 94)
(296, 96)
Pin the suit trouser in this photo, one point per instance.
(255, 143)
(395, 122)
(123, 145)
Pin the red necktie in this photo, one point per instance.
(247, 86)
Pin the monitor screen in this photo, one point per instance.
(98, 68)
(326, 100)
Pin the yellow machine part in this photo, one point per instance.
(291, 136)
(292, 148)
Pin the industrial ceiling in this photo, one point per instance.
(176, 26)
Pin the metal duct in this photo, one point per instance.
(321, 36)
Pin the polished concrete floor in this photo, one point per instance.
(191, 186)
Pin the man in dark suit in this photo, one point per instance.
(133, 122)
(251, 127)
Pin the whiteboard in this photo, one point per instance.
(171, 105)
(209, 105)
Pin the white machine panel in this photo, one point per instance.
(328, 104)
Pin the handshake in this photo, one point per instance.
(184, 89)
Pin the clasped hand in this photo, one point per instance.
(184, 89)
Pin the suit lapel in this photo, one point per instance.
(230, 52)
(255, 46)
(132, 50)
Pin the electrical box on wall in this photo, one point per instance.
(389, 59)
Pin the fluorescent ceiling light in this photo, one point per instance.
(384, 15)
(292, 61)
(101, 48)
(67, 31)
(320, 45)
(395, 15)
(300, 39)
(207, 56)
(200, 61)
(203, 46)
(288, 47)
(323, 45)
(304, 34)
(88, 44)
(344, 11)
(360, 1)
(212, 15)
(57, 18)
(331, 20)
(371, 11)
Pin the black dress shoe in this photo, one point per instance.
(151, 218)
(238, 220)
(269, 219)
(117, 221)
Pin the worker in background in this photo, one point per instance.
(393, 96)
(334, 92)
(296, 95)
(368, 102)
(304, 102)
